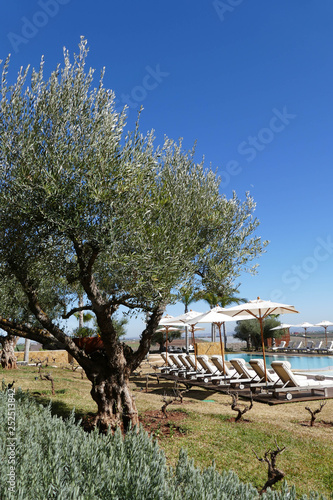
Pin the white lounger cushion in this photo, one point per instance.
(240, 366)
(186, 364)
(258, 366)
(217, 361)
(283, 369)
(207, 365)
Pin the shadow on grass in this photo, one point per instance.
(58, 408)
(166, 387)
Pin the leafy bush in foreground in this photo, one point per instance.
(56, 459)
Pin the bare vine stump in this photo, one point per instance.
(180, 394)
(167, 402)
(314, 413)
(47, 377)
(274, 474)
(240, 409)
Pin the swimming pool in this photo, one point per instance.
(297, 362)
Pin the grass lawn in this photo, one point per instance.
(207, 432)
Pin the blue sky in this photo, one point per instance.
(251, 81)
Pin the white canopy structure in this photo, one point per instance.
(259, 309)
(305, 325)
(168, 323)
(283, 326)
(215, 316)
(325, 324)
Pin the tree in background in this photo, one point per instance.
(212, 299)
(84, 330)
(14, 307)
(159, 337)
(7, 358)
(228, 297)
(187, 293)
(83, 204)
(223, 297)
(249, 331)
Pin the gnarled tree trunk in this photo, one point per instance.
(111, 392)
(8, 358)
(116, 405)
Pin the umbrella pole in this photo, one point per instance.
(326, 336)
(195, 347)
(222, 346)
(263, 347)
(166, 345)
(186, 338)
(224, 336)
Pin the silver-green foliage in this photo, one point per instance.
(56, 459)
(71, 177)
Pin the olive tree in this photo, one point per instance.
(249, 331)
(86, 205)
(7, 357)
(8, 342)
(15, 311)
(160, 338)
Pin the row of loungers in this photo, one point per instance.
(281, 381)
(311, 347)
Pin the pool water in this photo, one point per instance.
(297, 362)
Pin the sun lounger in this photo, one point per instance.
(279, 347)
(328, 349)
(182, 359)
(229, 373)
(176, 361)
(196, 368)
(290, 346)
(308, 347)
(298, 346)
(212, 373)
(318, 346)
(231, 377)
(189, 370)
(163, 356)
(272, 378)
(299, 383)
(239, 365)
(169, 365)
(246, 375)
(191, 360)
(177, 366)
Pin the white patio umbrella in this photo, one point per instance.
(259, 309)
(325, 325)
(168, 323)
(168, 320)
(213, 316)
(193, 330)
(305, 325)
(185, 318)
(283, 326)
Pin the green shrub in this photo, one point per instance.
(56, 459)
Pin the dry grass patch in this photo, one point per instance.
(208, 433)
